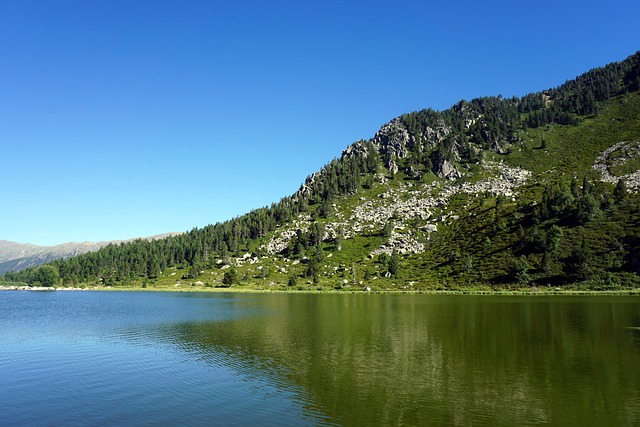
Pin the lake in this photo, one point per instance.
(145, 358)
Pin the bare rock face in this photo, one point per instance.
(393, 140)
(357, 148)
(447, 170)
(305, 190)
(392, 165)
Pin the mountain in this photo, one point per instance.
(16, 256)
(531, 192)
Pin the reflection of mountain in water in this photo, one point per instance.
(390, 360)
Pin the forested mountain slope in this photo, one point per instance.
(492, 193)
(16, 256)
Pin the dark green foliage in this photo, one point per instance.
(193, 272)
(468, 263)
(545, 262)
(582, 204)
(520, 270)
(620, 191)
(455, 255)
(487, 243)
(387, 229)
(339, 237)
(394, 264)
(383, 259)
(293, 281)
(153, 268)
(575, 188)
(304, 240)
(579, 263)
(313, 265)
(554, 235)
(588, 208)
(230, 277)
(325, 209)
(316, 233)
(557, 201)
(45, 275)
(583, 96)
(537, 241)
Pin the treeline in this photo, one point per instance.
(492, 123)
(198, 247)
(584, 95)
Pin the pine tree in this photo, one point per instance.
(230, 276)
(553, 239)
(545, 263)
(620, 191)
(394, 264)
(579, 263)
(293, 281)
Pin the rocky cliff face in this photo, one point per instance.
(393, 141)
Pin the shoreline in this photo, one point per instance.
(41, 288)
(506, 292)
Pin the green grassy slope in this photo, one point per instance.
(485, 242)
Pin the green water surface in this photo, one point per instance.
(356, 360)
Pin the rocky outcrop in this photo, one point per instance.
(400, 205)
(504, 184)
(393, 140)
(359, 148)
(447, 170)
(280, 239)
(392, 165)
(305, 190)
(617, 156)
(402, 243)
(432, 136)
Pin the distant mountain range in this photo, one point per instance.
(16, 256)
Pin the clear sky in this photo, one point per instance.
(132, 118)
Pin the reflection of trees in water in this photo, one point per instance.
(384, 359)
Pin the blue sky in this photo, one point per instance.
(132, 118)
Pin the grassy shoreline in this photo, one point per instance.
(521, 292)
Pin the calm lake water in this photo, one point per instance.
(135, 358)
